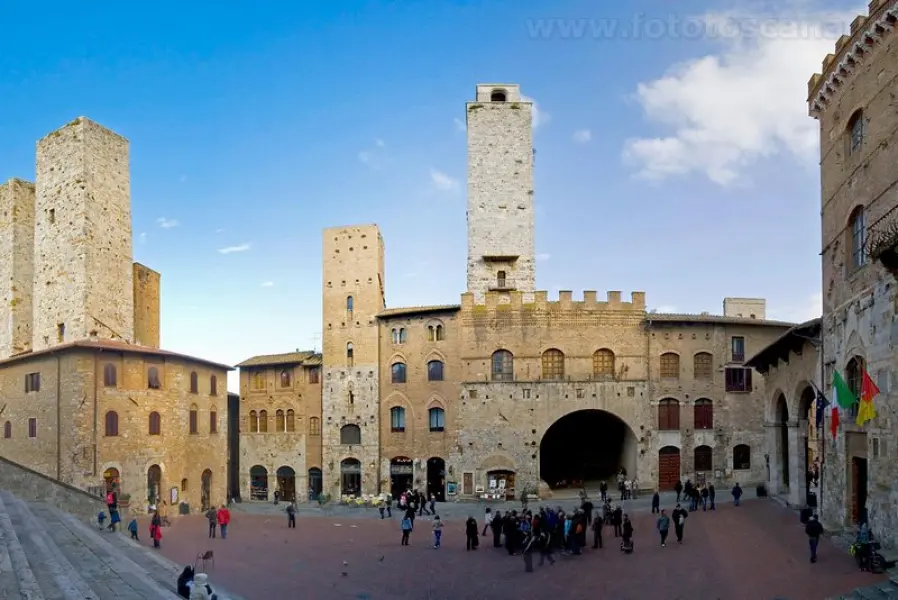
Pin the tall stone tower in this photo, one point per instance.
(500, 192)
(16, 266)
(353, 287)
(83, 273)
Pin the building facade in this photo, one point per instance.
(853, 99)
(486, 396)
(88, 396)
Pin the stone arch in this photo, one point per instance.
(436, 401)
(800, 396)
(399, 399)
(435, 354)
(121, 472)
(771, 406)
(657, 400)
(498, 461)
(549, 346)
(397, 357)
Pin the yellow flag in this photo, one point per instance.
(866, 412)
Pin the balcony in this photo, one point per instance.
(882, 240)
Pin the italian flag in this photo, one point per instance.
(842, 398)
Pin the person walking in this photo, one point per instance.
(213, 521)
(627, 533)
(679, 518)
(437, 531)
(656, 502)
(291, 516)
(814, 531)
(678, 488)
(224, 519)
(711, 494)
(737, 494)
(487, 520)
(406, 526)
(597, 525)
(471, 537)
(663, 527)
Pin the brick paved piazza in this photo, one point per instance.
(755, 552)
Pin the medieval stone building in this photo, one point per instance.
(509, 390)
(88, 397)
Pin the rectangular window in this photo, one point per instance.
(213, 422)
(738, 379)
(258, 378)
(32, 382)
(313, 375)
(738, 347)
(526, 393)
(193, 420)
(32, 427)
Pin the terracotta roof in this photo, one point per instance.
(305, 357)
(114, 346)
(412, 311)
(713, 319)
(791, 341)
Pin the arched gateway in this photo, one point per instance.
(586, 446)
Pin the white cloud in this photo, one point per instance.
(233, 249)
(183, 178)
(581, 136)
(379, 143)
(167, 223)
(460, 125)
(543, 256)
(540, 117)
(442, 181)
(267, 284)
(220, 230)
(364, 157)
(142, 238)
(747, 102)
(665, 309)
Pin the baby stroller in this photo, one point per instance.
(626, 546)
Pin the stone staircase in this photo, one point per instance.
(47, 554)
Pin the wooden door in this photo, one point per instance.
(468, 484)
(668, 467)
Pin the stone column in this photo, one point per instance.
(772, 449)
(797, 468)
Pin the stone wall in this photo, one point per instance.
(17, 268)
(82, 237)
(500, 193)
(32, 486)
(147, 300)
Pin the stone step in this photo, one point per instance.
(9, 583)
(68, 581)
(124, 577)
(26, 586)
(32, 586)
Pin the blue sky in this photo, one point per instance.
(674, 151)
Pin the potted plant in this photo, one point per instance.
(124, 500)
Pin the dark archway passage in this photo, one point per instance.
(782, 421)
(586, 445)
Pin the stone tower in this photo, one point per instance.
(83, 274)
(500, 192)
(17, 266)
(353, 287)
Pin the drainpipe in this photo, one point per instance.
(649, 388)
(58, 420)
(96, 416)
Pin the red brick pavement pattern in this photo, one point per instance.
(754, 552)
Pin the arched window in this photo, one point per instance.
(854, 377)
(155, 423)
(111, 423)
(742, 457)
(350, 435)
(703, 459)
(500, 280)
(857, 238)
(439, 333)
(184, 485)
(194, 383)
(258, 378)
(314, 426)
(402, 335)
(397, 372)
(349, 354)
(395, 334)
(603, 364)
(253, 422)
(669, 415)
(280, 421)
(291, 421)
(109, 375)
(286, 379)
(213, 385)
(702, 366)
(703, 414)
(213, 420)
(553, 364)
(502, 366)
(153, 381)
(7, 430)
(349, 303)
(498, 96)
(435, 370)
(856, 130)
(670, 365)
(194, 418)
(437, 417)
(397, 419)
(263, 421)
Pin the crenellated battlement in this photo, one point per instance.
(865, 32)
(495, 301)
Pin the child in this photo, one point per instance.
(101, 518)
(132, 527)
(437, 531)
(114, 519)
(406, 526)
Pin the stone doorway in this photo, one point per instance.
(586, 446)
(206, 490)
(154, 485)
(112, 479)
(401, 475)
(668, 467)
(258, 483)
(350, 477)
(315, 484)
(286, 484)
(436, 478)
(782, 443)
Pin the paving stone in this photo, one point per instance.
(29, 588)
